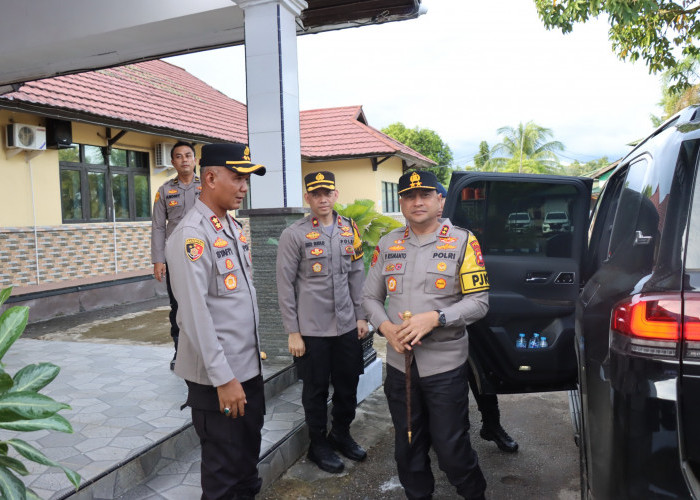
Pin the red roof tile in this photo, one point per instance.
(153, 93)
(162, 95)
(343, 132)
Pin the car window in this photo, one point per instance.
(509, 217)
(693, 249)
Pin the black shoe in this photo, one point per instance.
(323, 456)
(345, 444)
(498, 435)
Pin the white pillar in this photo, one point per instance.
(272, 88)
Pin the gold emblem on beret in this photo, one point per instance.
(320, 177)
(246, 153)
(415, 180)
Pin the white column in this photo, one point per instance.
(272, 87)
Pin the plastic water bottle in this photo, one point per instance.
(543, 342)
(535, 341)
(521, 343)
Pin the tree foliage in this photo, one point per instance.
(583, 169)
(428, 143)
(483, 156)
(650, 30)
(674, 99)
(371, 224)
(23, 409)
(527, 149)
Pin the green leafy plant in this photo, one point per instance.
(371, 224)
(23, 409)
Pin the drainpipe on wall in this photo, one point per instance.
(27, 159)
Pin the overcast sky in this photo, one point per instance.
(465, 69)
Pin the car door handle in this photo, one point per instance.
(640, 239)
(537, 277)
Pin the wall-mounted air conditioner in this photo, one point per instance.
(21, 136)
(163, 150)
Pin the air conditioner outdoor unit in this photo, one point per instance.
(23, 136)
(163, 150)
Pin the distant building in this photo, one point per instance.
(83, 155)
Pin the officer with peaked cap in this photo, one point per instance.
(218, 352)
(435, 271)
(320, 273)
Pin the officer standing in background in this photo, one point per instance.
(219, 353)
(436, 272)
(173, 199)
(491, 429)
(320, 274)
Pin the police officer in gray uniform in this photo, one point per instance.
(320, 273)
(219, 355)
(173, 199)
(435, 271)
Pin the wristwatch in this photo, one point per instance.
(441, 317)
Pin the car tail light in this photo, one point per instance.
(656, 323)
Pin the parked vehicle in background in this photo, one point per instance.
(618, 298)
(519, 222)
(555, 222)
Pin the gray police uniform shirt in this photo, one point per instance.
(446, 271)
(211, 276)
(173, 201)
(320, 277)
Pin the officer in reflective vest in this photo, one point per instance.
(435, 271)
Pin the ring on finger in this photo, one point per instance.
(227, 411)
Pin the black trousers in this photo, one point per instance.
(439, 418)
(337, 360)
(487, 403)
(230, 446)
(174, 329)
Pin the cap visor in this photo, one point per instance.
(321, 186)
(247, 168)
(417, 187)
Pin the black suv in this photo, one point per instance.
(617, 297)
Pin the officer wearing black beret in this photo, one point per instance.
(320, 273)
(434, 276)
(218, 351)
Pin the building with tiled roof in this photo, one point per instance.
(76, 206)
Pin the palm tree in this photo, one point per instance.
(526, 148)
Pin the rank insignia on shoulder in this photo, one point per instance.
(444, 230)
(172, 191)
(375, 256)
(216, 222)
(396, 248)
(157, 196)
(317, 267)
(229, 264)
(220, 243)
(172, 203)
(230, 282)
(313, 235)
(316, 251)
(405, 233)
(194, 248)
(314, 221)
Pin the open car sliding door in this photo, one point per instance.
(532, 231)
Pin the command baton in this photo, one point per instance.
(408, 360)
